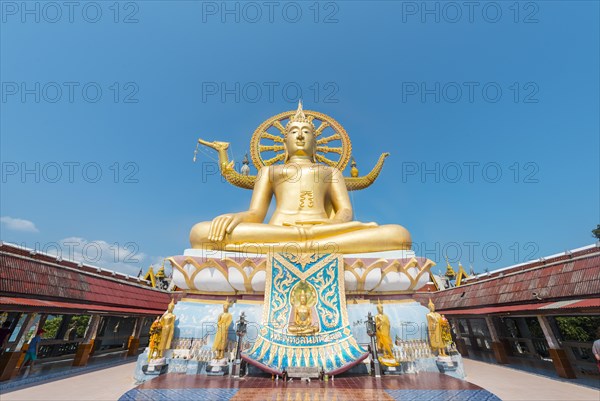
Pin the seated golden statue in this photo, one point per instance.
(313, 208)
(434, 326)
(303, 322)
(382, 333)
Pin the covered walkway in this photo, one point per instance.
(85, 312)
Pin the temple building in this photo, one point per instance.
(532, 314)
(85, 310)
(541, 313)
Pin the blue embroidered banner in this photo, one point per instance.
(305, 323)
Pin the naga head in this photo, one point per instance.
(216, 145)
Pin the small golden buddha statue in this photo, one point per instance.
(434, 326)
(313, 208)
(153, 346)
(167, 322)
(303, 324)
(223, 323)
(382, 333)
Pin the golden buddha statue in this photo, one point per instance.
(223, 323)
(382, 333)
(153, 346)
(303, 322)
(313, 208)
(434, 326)
(167, 322)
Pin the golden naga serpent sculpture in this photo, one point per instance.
(273, 130)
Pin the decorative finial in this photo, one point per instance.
(300, 117)
(245, 165)
(161, 271)
(449, 270)
(353, 168)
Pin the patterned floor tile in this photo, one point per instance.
(422, 387)
(442, 395)
(189, 394)
(311, 394)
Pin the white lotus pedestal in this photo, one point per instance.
(217, 367)
(222, 272)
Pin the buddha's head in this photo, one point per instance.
(379, 307)
(303, 298)
(171, 306)
(300, 136)
(431, 306)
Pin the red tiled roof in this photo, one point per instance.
(577, 276)
(572, 304)
(22, 276)
(48, 305)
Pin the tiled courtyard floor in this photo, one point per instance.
(505, 383)
(424, 386)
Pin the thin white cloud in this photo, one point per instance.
(19, 224)
(121, 257)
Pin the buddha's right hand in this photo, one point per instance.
(222, 225)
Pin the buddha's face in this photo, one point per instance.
(302, 299)
(300, 139)
(431, 308)
(380, 309)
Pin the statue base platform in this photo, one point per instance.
(445, 364)
(217, 369)
(146, 370)
(390, 362)
(392, 370)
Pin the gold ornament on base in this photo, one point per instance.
(153, 347)
(223, 323)
(435, 324)
(384, 340)
(167, 322)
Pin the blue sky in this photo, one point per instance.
(491, 116)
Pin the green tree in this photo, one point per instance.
(51, 326)
(81, 323)
(596, 232)
(578, 328)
